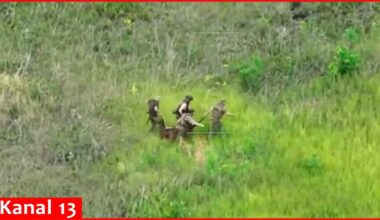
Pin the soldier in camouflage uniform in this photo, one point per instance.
(153, 111)
(186, 124)
(217, 112)
(183, 107)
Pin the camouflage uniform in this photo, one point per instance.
(154, 116)
(217, 113)
(185, 105)
(186, 124)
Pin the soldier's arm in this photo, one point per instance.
(230, 114)
(182, 108)
(193, 122)
(198, 124)
(201, 125)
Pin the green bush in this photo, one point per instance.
(352, 35)
(345, 62)
(251, 74)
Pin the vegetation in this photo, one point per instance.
(75, 79)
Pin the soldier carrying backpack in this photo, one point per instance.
(183, 107)
(153, 112)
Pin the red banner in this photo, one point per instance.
(40, 208)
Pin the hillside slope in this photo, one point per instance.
(75, 78)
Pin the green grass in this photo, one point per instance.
(77, 77)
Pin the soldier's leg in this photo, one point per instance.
(180, 135)
(153, 125)
(156, 123)
(185, 146)
(216, 127)
(182, 143)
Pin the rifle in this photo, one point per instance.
(204, 116)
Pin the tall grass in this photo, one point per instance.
(75, 79)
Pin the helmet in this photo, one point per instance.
(189, 98)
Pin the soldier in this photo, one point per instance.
(153, 111)
(183, 107)
(186, 124)
(218, 112)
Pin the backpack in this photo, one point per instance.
(151, 104)
(176, 111)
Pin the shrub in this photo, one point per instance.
(345, 62)
(251, 74)
(351, 35)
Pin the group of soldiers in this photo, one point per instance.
(184, 116)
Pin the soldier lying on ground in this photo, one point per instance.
(183, 107)
(218, 112)
(153, 111)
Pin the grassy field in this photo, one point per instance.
(75, 79)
